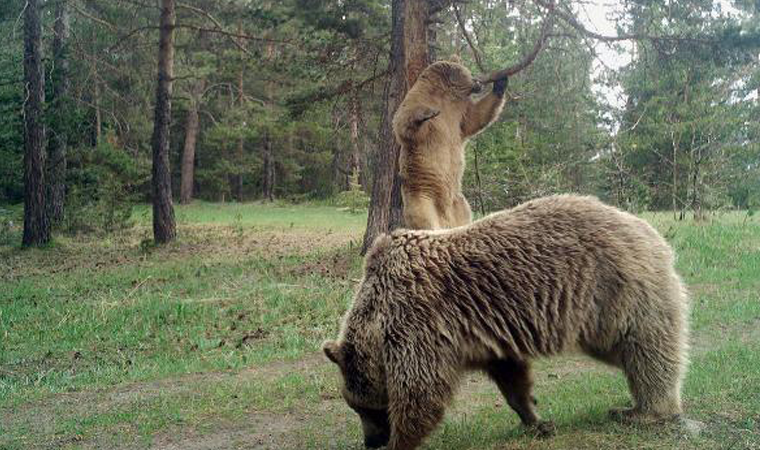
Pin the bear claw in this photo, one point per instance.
(426, 114)
(636, 416)
(543, 429)
(624, 415)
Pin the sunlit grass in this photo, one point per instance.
(266, 215)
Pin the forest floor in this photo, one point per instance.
(213, 342)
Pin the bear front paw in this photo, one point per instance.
(500, 86)
(425, 114)
(543, 429)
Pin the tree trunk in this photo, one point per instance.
(354, 160)
(97, 125)
(191, 138)
(237, 179)
(56, 167)
(269, 169)
(416, 45)
(409, 57)
(416, 59)
(36, 223)
(696, 190)
(477, 180)
(268, 158)
(385, 201)
(164, 227)
(675, 174)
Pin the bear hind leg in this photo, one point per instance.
(461, 211)
(420, 213)
(654, 374)
(515, 382)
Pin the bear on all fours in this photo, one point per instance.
(556, 274)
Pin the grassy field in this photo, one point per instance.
(213, 342)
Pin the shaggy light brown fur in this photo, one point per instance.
(555, 274)
(432, 126)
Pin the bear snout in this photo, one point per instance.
(477, 87)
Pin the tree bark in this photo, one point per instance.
(416, 59)
(164, 227)
(354, 160)
(191, 138)
(675, 174)
(98, 118)
(269, 169)
(270, 174)
(56, 167)
(416, 47)
(97, 125)
(237, 179)
(477, 180)
(36, 223)
(696, 191)
(385, 201)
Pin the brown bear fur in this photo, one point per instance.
(432, 126)
(556, 274)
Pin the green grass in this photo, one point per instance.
(213, 340)
(264, 215)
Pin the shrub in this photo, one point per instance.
(354, 199)
(104, 185)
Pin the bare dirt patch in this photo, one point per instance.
(335, 265)
(258, 430)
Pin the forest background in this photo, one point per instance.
(290, 100)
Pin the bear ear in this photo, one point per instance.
(332, 351)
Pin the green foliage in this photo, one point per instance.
(12, 157)
(11, 225)
(105, 184)
(685, 135)
(354, 199)
(11, 104)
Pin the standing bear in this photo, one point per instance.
(432, 126)
(556, 274)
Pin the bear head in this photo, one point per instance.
(451, 78)
(357, 354)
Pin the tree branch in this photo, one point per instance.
(219, 28)
(231, 34)
(573, 22)
(530, 57)
(475, 51)
(87, 15)
(327, 93)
